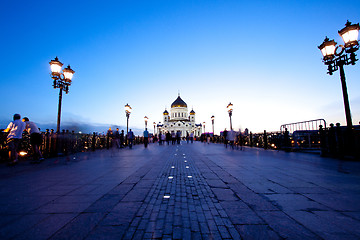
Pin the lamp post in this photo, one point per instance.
(335, 57)
(128, 112)
(212, 120)
(146, 120)
(230, 110)
(62, 80)
(154, 126)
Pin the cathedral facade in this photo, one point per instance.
(179, 119)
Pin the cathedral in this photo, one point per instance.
(179, 120)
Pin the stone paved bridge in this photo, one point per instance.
(188, 191)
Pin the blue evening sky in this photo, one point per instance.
(260, 55)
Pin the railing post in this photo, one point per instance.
(265, 140)
(339, 141)
(251, 139)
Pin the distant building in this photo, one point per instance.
(179, 120)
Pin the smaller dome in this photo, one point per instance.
(166, 112)
(192, 112)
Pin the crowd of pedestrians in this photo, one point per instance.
(50, 144)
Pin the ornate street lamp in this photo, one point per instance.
(154, 126)
(212, 120)
(146, 120)
(230, 110)
(204, 126)
(335, 57)
(127, 112)
(62, 80)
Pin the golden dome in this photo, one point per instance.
(178, 103)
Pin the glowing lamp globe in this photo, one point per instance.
(127, 109)
(229, 107)
(350, 34)
(327, 49)
(55, 66)
(68, 74)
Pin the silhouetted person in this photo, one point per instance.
(173, 138)
(322, 141)
(146, 138)
(131, 138)
(93, 141)
(178, 137)
(160, 140)
(286, 140)
(15, 130)
(35, 139)
(109, 138)
(225, 134)
(122, 138)
(332, 140)
(168, 138)
(117, 138)
(339, 140)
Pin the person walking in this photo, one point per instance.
(160, 138)
(231, 138)
(178, 137)
(191, 137)
(173, 137)
(109, 137)
(163, 139)
(35, 139)
(146, 138)
(225, 134)
(117, 138)
(168, 138)
(15, 130)
(122, 137)
(130, 137)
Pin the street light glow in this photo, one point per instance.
(55, 66)
(128, 108)
(327, 48)
(350, 34)
(68, 73)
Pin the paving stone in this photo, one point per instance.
(21, 225)
(252, 194)
(285, 226)
(79, 227)
(256, 232)
(107, 232)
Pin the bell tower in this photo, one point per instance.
(166, 116)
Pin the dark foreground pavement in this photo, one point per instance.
(188, 191)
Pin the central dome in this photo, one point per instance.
(178, 103)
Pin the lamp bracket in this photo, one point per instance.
(342, 49)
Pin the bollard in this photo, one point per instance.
(265, 140)
(251, 139)
(323, 143)
(339, 141)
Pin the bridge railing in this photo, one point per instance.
(64, 143)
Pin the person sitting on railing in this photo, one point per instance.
(15, 130)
